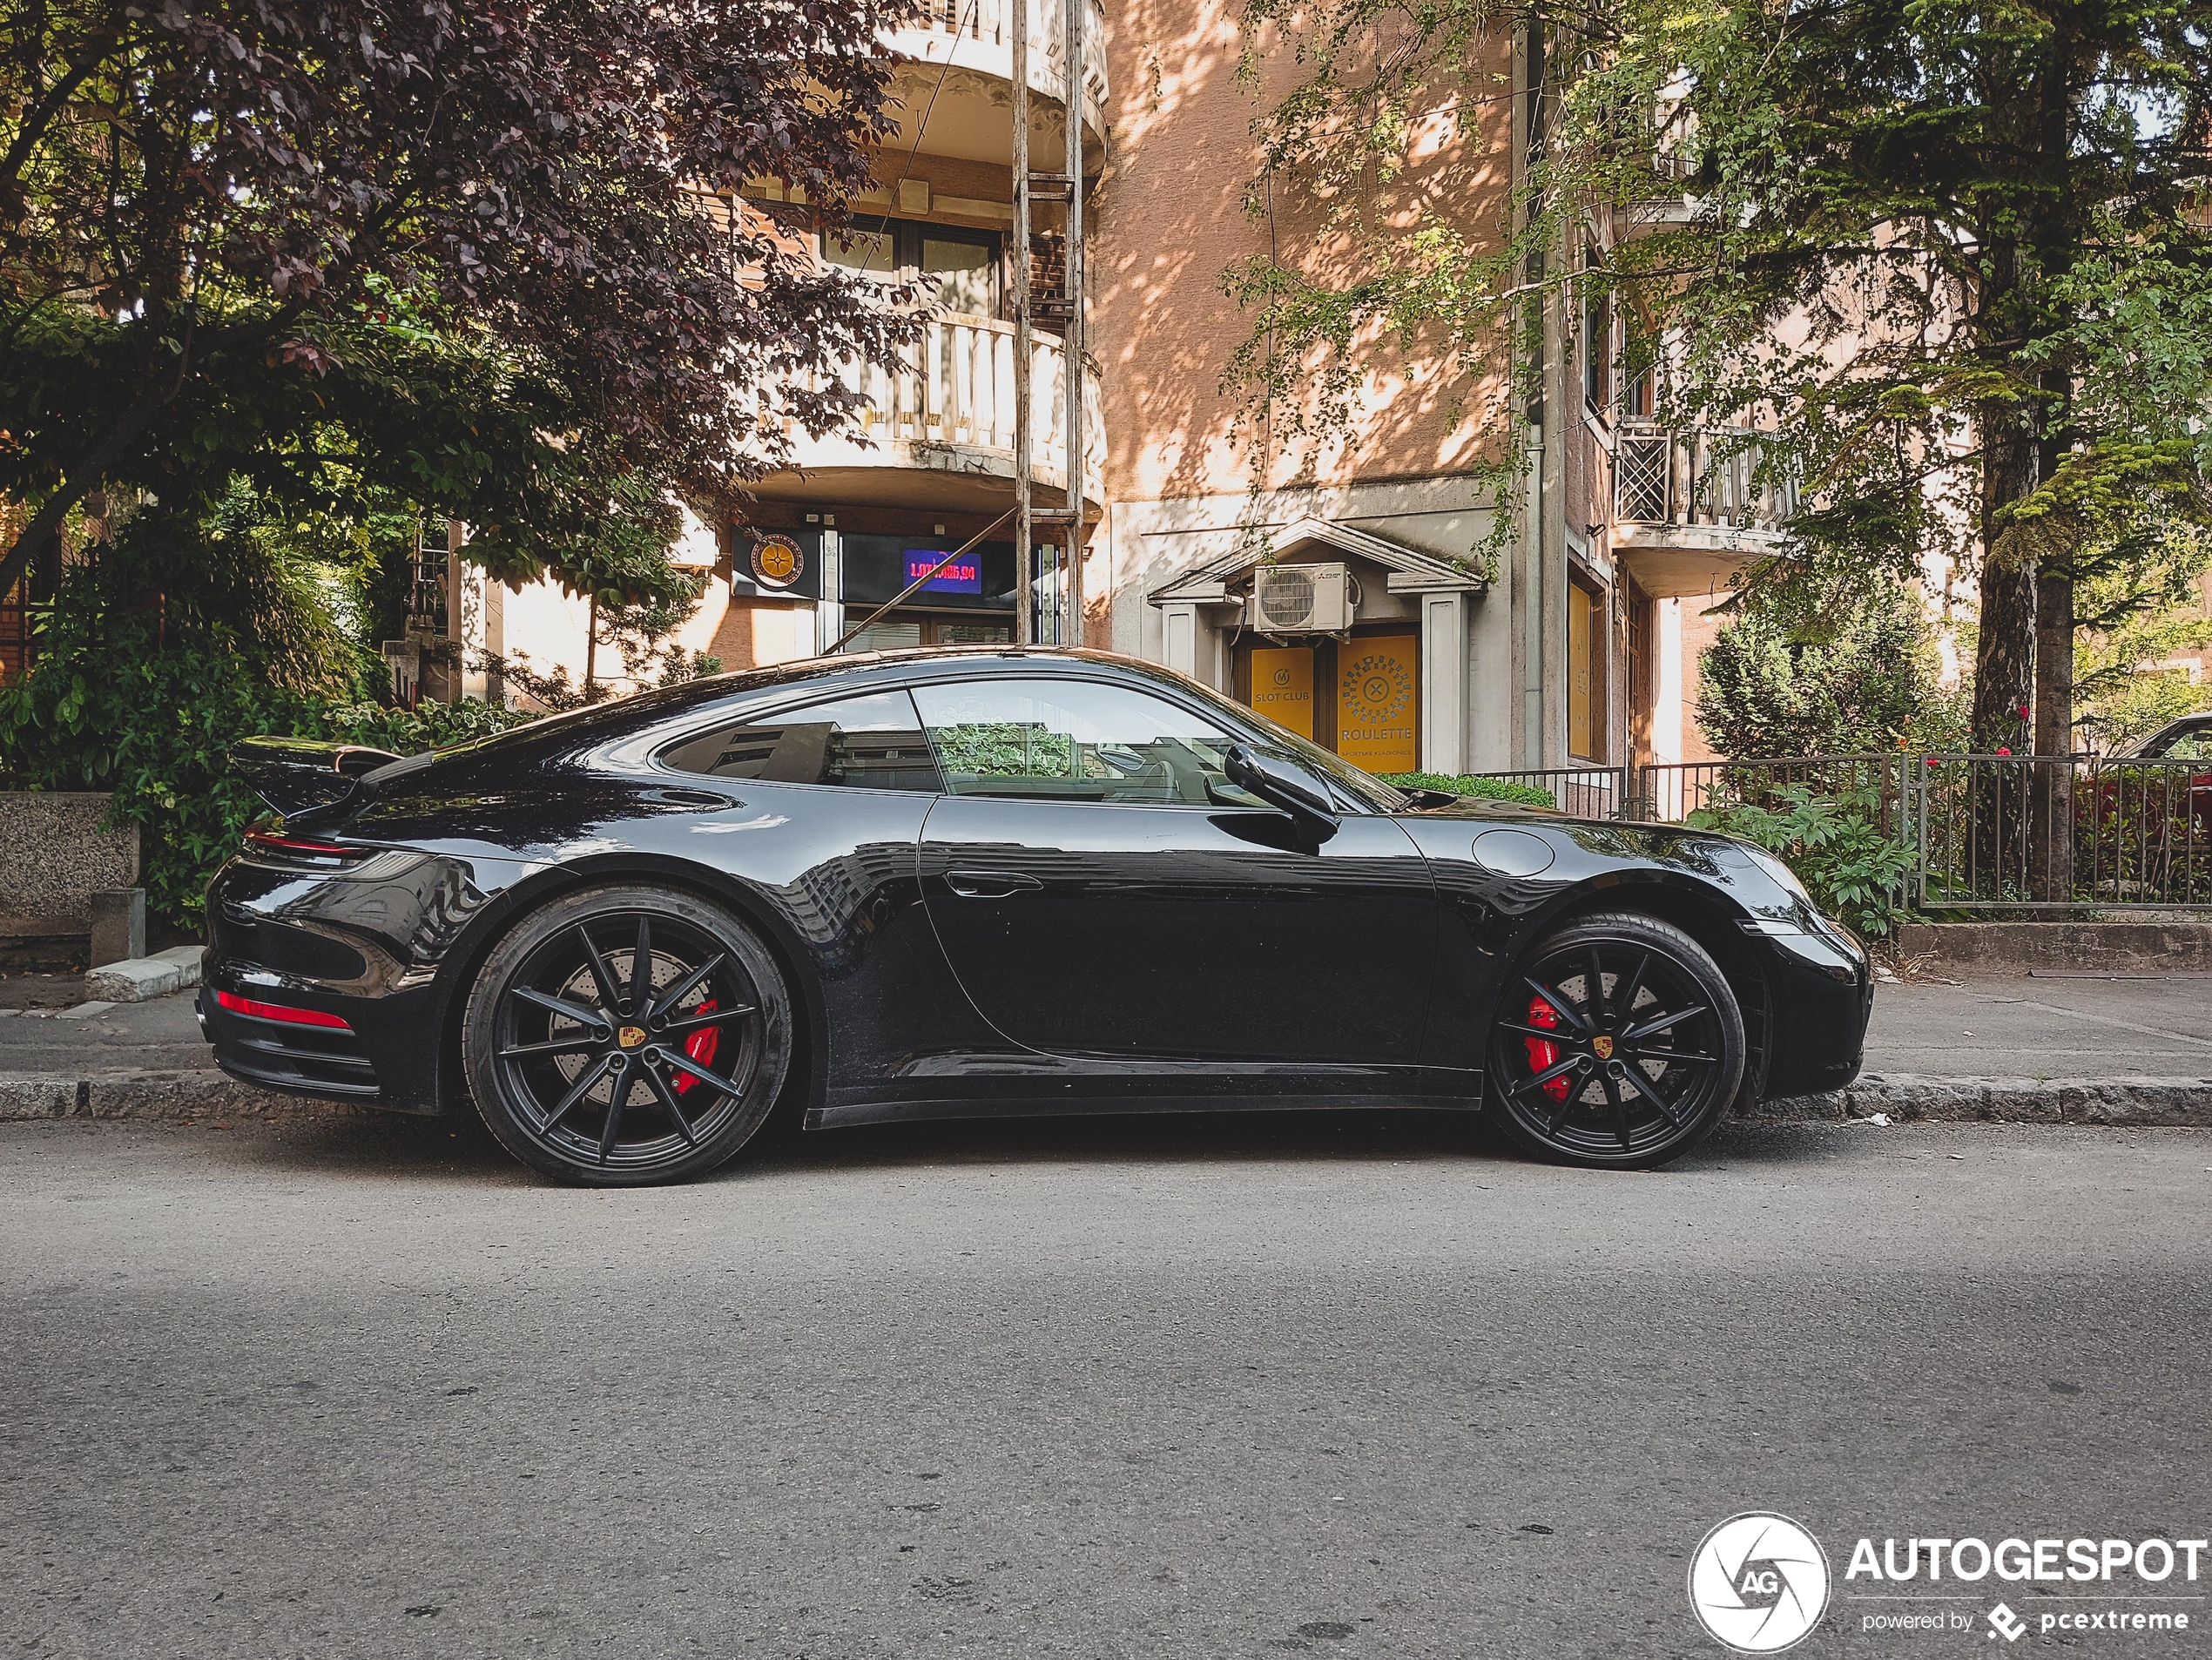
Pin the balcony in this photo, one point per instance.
(938, 432)
(970, 119)
(1689, 510)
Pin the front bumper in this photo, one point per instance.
(1821, 990)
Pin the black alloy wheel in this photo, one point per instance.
(1619, 1044)
(621, 1037)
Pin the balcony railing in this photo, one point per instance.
(986, 21)
(1696, 476)
(955, 386)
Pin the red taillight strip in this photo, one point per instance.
(239, 1005)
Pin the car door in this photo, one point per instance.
(1101, 889)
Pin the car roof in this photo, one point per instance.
(620, 719)
(2171, 730)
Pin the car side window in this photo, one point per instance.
(1074, 741)
(2195, 745)
(868, 743)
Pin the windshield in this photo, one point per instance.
(1363, 787)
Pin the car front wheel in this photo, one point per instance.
(625, 1036)
(1618, 1044)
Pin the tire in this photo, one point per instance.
(1617, 1086)
(558, 1024)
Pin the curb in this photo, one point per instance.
(156, 1095)
(1906, 1099)
(1902, 1099)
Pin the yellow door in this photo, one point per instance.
(1579, 643)
(1379, 703)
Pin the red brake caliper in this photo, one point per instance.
(1540, 1054)
(700, 1046)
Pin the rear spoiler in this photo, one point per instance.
(298, 775)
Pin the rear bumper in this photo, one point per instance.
(386, 1055)
(296, 941)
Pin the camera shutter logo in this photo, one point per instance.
(778, 562)
(1758, 1583)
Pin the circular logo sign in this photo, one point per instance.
(778, 561)
(1375, 688)
(1758, 1583)
(1282, 676)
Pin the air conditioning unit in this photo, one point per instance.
(1301, 600)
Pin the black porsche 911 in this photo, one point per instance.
(964, 883)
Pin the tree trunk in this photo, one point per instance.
(2004, 651)
(2004, 657)
(2051, 855)
(590, 647)
(2051, 830)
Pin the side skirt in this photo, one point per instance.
(1468, 1098)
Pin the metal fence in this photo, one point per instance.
(2013, 834)
(1586, 792)
(2028, 833)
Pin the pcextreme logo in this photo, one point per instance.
(1758, 1582)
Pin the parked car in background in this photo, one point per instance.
(961, 884)
(2184, 791)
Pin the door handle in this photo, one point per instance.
(990, 884)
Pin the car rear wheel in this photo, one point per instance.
(627, 1035)
(1619, 1044)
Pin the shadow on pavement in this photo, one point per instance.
(460, 1148)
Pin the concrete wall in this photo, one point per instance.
(55, 854)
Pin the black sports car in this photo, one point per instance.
(952, 884)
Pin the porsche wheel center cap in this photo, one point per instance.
(630, 1036)
(1603, 1043)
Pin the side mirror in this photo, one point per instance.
(1285, 786)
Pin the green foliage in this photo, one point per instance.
(1855, 866)
(486, 258)
(1851, 676)
(169, 647)
(141, 690)
(409, 731)
(1005, 749)
(1494, 789)
(2134, 620)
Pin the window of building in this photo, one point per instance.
(1596, 343)
(1074, 741)
(1585, 670)
(870, 743)
(960, 267)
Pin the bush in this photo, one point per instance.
(1855, 867)
(1494, 789)
(1844, 676)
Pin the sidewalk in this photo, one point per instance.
(2043, 1046)
(2040, 1045)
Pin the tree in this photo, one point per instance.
(489, 252)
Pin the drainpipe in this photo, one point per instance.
(1532, 610)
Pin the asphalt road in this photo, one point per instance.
(1359, 1387)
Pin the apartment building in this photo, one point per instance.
(1332, 578)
